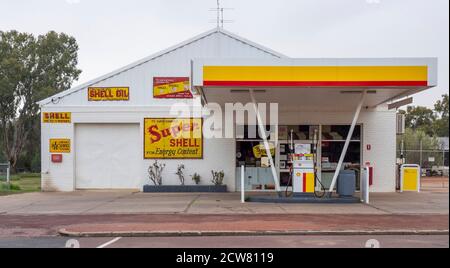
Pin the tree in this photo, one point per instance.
(420, 118)
(414, 141)
(441, 124)
(31, 69)
(441, 106)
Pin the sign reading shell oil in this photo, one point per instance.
(109, 93)
(172, 88)
(170, 138)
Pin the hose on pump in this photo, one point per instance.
(323, 191)
(291, 174)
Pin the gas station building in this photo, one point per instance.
(106, 133)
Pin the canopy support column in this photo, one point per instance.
(347, 142)
(262, 130)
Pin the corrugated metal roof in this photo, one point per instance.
(131, 66)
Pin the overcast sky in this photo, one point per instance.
(114, 33)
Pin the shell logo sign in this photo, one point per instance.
(170, 138)
(57, 118)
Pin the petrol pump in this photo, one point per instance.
(303, 182)
(303, 167)
(306, 186)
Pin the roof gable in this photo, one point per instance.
(160, 54)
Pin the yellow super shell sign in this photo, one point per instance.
(169, 138)
(260, 150)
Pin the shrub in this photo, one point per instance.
(217, 177)
(155, 172)
(180, 173)
(9, 187)
(196, 178)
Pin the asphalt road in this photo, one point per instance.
(408, 241)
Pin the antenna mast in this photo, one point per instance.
(220, 21)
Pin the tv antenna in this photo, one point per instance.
(220, 21)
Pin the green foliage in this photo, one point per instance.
(196, 178)
(441, 124)
(21, 183)
(9, 187)
(416, 140)
(413, 138)
(440, 127)
(432, 122)
(420, 118)
(441, 106)
(35, 165)
(31, 69)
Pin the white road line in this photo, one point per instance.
(110, 242)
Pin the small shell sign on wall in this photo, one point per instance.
(59, 146)
(57, 118)
(172, 88)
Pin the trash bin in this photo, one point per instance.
(346, 183)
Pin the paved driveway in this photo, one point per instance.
(125, 202)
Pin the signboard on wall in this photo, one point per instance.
(260, 151)
(59, 146)
(171, 88)
(57, 118)
(170, 138)
(109, 93)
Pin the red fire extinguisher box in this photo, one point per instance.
(57, 158)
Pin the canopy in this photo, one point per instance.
(313, 82)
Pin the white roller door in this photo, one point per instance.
(107, 156)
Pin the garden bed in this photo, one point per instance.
(185, 189)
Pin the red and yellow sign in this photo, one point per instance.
(260, 151)
(60, 146)
(57, 118)
(315, 76)
(171, 88)
(169, 138)
(109, 93)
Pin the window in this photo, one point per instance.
(302, 132)
(251, 132)
(339, 133)
(333, 141)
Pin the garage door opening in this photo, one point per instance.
(107, 156)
